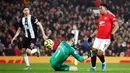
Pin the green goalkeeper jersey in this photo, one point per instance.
(63, 51)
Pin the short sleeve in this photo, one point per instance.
(34, 20)
(112, 18)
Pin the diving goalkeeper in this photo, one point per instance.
(63, 51)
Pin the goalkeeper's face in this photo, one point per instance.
(26, 11)
(71, 42)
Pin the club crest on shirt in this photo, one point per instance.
(105, 18)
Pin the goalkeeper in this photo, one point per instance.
(63, 51)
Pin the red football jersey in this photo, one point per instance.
(105, 23)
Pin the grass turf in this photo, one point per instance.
(46, 68)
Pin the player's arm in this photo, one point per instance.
(42, 30)
(77, 56)
(94, 33)
(115, 28)
(35, 20)
(17, 33)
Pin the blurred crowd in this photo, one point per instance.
(58, 18)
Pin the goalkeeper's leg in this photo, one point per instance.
(64, 67)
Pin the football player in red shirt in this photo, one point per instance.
(107, 26)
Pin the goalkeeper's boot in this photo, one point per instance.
(38, 52)
(92, 69)
(104, 66)
(27, 68)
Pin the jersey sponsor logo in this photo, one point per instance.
(101, 23)
(27, 27)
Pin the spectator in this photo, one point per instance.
(59, 16)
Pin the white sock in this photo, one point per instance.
(94, 67)
(104, 63)
(33, 51)
(25, 57)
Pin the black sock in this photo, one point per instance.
(93, 61)
(102, 59)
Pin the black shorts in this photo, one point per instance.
(28, 43)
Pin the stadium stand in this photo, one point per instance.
(58, 16)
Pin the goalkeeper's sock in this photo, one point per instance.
(93, 61)
(102, 59)
(25, 57)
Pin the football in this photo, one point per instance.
(48, 43)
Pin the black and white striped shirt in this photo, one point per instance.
(29, 24)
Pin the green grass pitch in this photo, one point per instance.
(46, 68)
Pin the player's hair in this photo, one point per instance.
(69, 36)
(104, 5)
(26, 7)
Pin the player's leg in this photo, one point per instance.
(65, 67)
(104, 45)
(32, 45)
(25, 56)
(96, 45)
(26, 60)
(33, 51)
(57, 60)
(93, 60)
(102, 59)
(57, 63)
(53, 63)
(62, 67)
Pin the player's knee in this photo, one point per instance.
(99, 52)
(23, 50)
(54, 66)
(94, 51)
(73, 68)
